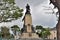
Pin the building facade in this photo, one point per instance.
(53, 32)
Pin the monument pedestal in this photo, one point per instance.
(29, 35)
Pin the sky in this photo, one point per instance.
(39, 15)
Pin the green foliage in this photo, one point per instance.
(9, 11)
(0, 34)
(11, 36)
(39, 27)
(44, 31)
(5, 32)
(15, 29)
(10, 1)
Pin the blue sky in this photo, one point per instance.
(39, 17)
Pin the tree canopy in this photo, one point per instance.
(39, 27)
(15, 29)
(5, 32)
(9, 11)
(45, 32)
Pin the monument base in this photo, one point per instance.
(29, 35)
(30, 39)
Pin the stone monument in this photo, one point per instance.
(28, 30)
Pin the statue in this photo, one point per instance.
(28, 30)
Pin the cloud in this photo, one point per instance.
(40, 18)
(38, 13)
(22, 3)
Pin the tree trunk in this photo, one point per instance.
(58, 28)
